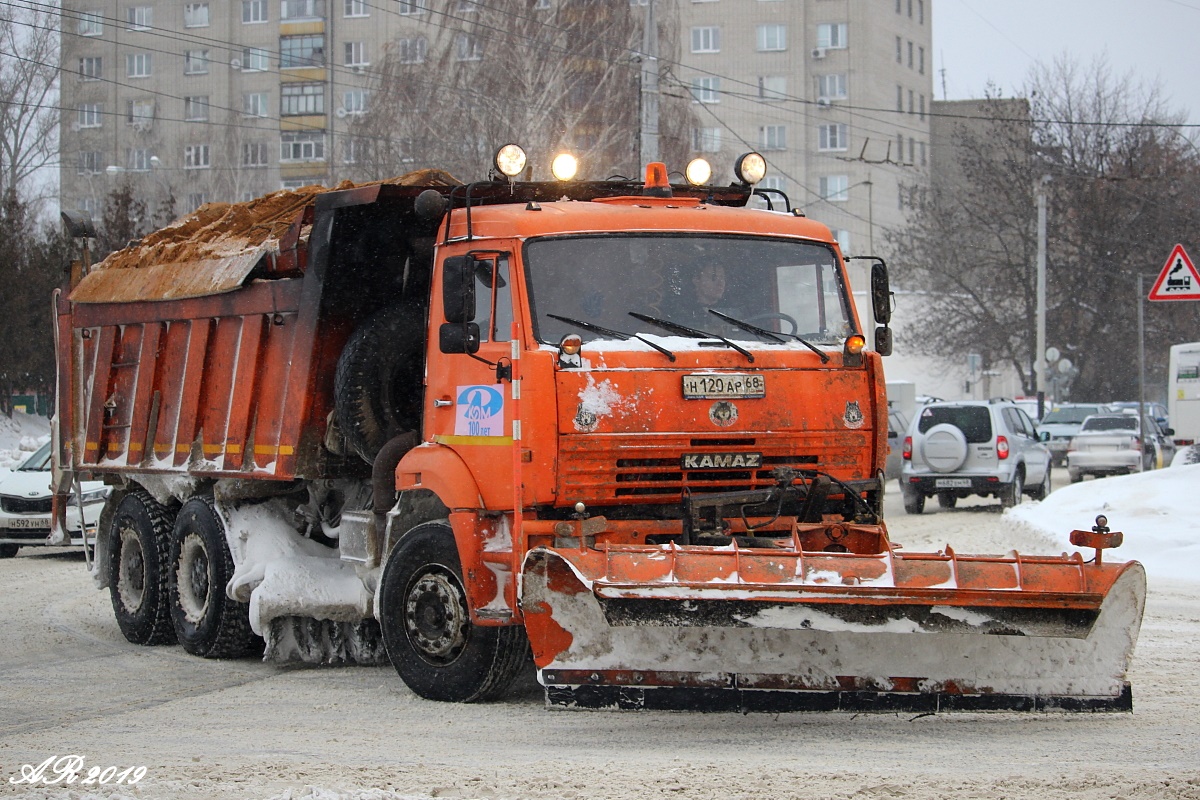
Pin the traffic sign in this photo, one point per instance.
(1178, 280)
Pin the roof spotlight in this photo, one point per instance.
(510, 160)
(698, 172)
(564, 167)
(750, 168)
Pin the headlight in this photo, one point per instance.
(96, 495)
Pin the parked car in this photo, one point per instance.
(25, 499)
(897, 427)
(958, 449)
(1114, 444)
(1061, 425)
(1156, 411)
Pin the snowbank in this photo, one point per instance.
(20, 436)
(1156, 511)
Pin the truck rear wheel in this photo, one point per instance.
(140, 537)
(427, 627)
(207, 622)
(377, 386)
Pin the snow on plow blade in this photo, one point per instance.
(724, 629)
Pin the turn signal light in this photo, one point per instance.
(571, 344)
(855, 344)
(1001, 447)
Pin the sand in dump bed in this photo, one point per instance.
(220, 230)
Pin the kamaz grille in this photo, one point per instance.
(20, 505)
(652, 477)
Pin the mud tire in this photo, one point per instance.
(140, 536)
(1010, 495)
(207, 622)
(914, 503)
(9, 550)
(427, 627)
(947, 499)
(1042, 491)
(377, 386)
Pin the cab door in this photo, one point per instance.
(468, 382)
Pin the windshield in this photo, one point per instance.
(1073, 416)
(780, 285)
(1114, 423)
(38, 462)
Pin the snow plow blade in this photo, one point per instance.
(771, 629)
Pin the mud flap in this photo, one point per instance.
(682, 647)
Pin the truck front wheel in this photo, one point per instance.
(140, 538)
(207, 622)
(427, 627)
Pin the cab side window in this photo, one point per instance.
(493, 299)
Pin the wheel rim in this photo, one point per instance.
(436, 618)
(193, 578)
(131, 570)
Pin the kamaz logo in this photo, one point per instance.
(721, 460)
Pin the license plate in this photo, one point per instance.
(952, 483)
(43, 523)
(723, 386)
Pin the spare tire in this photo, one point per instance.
(944, 448)
(378, 384)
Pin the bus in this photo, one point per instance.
(1183, 392)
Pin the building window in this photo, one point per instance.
(302, 146)
(910, 9)
(899, 50)
(774, 182)
(910, 55)
(921, 149)
(255, 59)
(921, 60)
(254, 11)
(356, 54)
(900, 98)
(301, 51)
(301, 98)
(140, 17)
(352, 151)
(354, 8)
(412, 51)
(831, 87)
(831, 35)
(137, 159)
(467, 48)
(911, 107)
(254, 154)
(706, 90)
(195, 15)
(921, 11)
(833, 136)
(773, 137)
(921, 107)
(706, 40)
(706, 140)
(772, 38)
(255, 104)
(302, 9)
(541, 5)
(834, 188)
(197, 199)
(465, 6)
(355, 101)
(90, 115)
(842, 237)
(772, 87)
(91, 23)
(91, 68)
(195, 109)
(195, 62)
(195, 156)
(87, 205)
(411, 8)
(137, 65)
(91, 162)
(139, 114)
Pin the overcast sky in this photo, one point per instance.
(980, 40)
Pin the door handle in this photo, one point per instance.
(442, 403)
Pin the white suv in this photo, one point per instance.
(989, 448)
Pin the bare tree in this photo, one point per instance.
(28, 87)
(547, 79)
(1113, 156)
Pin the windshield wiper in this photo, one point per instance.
(746, 326)
(600, 329)
(675, 327)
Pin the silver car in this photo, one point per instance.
(1060, 425)
(988, 448)
(1114, 444)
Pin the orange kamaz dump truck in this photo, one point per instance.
(628, 431)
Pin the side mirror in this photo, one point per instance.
(458, 291)
(883, 340)
(1044, 436)
(1168, 431)
(459, 337)
(881, 294)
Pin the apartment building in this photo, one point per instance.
(229, 99)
